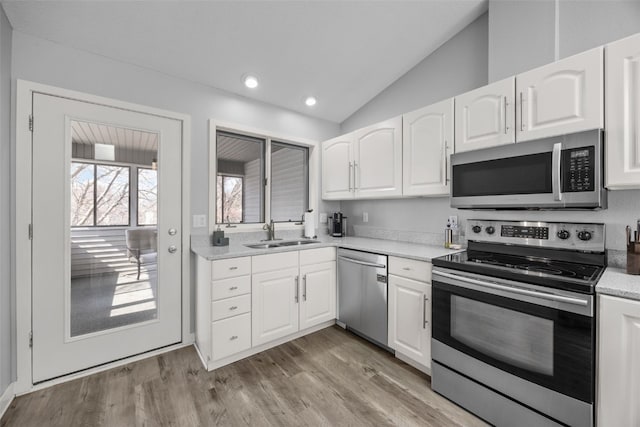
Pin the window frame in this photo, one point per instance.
(306, 174)
(95, 193)
(312, 175)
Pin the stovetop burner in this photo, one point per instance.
(547, 254)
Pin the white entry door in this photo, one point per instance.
(106, 234)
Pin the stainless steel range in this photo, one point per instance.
(514, 323)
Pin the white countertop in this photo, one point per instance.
(616, 282)
(386, 247)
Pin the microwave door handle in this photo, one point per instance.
(556, 179)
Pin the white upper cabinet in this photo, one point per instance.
(485, 117)
(563, 97)
(378, 164)
(337, 168)
(427, 143)
(623, 113)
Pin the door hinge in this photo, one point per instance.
(30, 122)
(30, 231)
(30, 339)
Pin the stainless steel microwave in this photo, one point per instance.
(562, 172)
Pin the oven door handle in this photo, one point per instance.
(520, 291)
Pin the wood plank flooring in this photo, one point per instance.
(329, 378)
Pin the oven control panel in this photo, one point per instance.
(578, 236)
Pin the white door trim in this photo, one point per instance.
(23, 209)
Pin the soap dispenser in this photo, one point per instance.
(219, 239)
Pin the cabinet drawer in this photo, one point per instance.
(411, 269)
(272, 262)
(317, 256)
(233, 267)
(232, 287)
(230, 336)
(230, 307)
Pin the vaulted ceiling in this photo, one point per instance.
(342, 52)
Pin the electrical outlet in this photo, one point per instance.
(199, 221)
(365, 216)
(453, 220)
(323, 218)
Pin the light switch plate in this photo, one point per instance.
(365, 216)
(199, 221)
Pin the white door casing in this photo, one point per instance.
(485, 117)
(622, 73)
(563, 97)
(427, 143)
(55, 353)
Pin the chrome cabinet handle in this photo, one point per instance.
(233, 307)
(521, 112)
(424, 312)
(233, 288)
(304, 287)
(355, 182)
(233, 268)
(350, 172)
(506, 126)
(297, 297)
(172, 249)
(235, 337)
(445, 162)
(406, 268)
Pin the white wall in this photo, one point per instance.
(514, 45)
(45, 62)
(7, 309)
(457, 66)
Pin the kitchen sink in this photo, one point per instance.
(281, 244)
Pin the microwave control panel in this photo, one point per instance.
(578, 169)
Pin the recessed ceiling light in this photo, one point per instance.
(250, 81)
(310, 101)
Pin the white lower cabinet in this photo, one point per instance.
(410, 311)
(245, 305)
(618, 362)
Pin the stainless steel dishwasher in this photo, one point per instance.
(362, 294)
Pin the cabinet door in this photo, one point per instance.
(618, 362)
(485, 117)
(318, 294)
(378, 165)
(623, 113)
(560, 98)
(274, 305)
(410, 319)
(427, 143)
(337, 168)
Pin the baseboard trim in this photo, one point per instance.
(6, 399)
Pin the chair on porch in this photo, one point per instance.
(142, 246)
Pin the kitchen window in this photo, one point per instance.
(259, 179)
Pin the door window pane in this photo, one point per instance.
(240, 178)
(112, 195)
(147, 196)
(289, 181)
(82, 194)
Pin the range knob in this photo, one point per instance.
(476, 229)
(490, 229)
(584, 235)
(564, 234)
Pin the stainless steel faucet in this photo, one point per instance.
(271, 229)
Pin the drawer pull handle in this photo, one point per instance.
(233, 307)
(235, 337)
(406, 268)
(233, 288)
(233, 268)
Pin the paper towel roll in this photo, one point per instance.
(309, 224)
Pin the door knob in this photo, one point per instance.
(172, 231)
(172, 249)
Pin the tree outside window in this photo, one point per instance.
(147, 196)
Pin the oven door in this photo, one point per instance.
(544, 336)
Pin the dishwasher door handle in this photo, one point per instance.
(365, 263)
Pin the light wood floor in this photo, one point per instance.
(328, 378)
